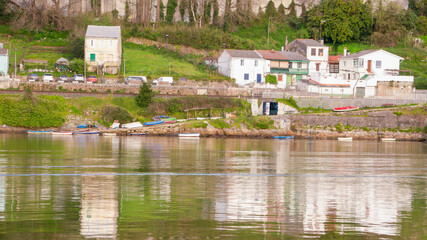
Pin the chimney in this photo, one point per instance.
(286, 43)
(322, 41)
(283, 48)
(345, 51)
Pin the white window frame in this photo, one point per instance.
(101, 43)
(242, 62)
(378, 64)
(256, 63)
(111, 43)
(92, 43)
(355, 62)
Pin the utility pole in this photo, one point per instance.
(268, 32)
(124, 65)
(15, 64)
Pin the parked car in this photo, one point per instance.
(62, 78)
(47, 77)
(163, 79)
(78, 78)
(32, 77)
(135, 80)
(92, 79)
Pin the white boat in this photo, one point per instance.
(115, 125)
(132, 125)
(189, 135)
(388, 139)
(109, 134)
(62, 133)
(345, 139)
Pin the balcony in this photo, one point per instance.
(289, 70)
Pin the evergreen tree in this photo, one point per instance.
(170, 10)
(281, 11)
(270, 10)
(292, 10)
(145, 95)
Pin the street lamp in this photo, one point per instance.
(167, 42)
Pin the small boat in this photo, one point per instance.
(169, 120)
(345, 139)
(283, 137)
(132, 125)
(87, 132)
(345, 109)
(138, 134)
(109, 134)
(62, 133)
(153, 123)
(388, 139)
(115, 125)
(86, 126)
(189, 135)
(40, 132)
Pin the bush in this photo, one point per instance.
(290, 102)
(219, 123)
(110, 113)
(398, 113)
(77, 65)
(271, 79)
(197, 124)
(145, 95)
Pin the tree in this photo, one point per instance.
(281, 11)
(270, 10)
(170, 10)
(292, 10)
(340, 20)
(422, 25)
(5, 15)
(145, 95)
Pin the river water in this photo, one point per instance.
(76, 187)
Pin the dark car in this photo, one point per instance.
(92, 79)
(33, 77)
(62, 78)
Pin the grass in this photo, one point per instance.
(153, 63)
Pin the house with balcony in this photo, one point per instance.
(103, 49)
(245, 66)
(376, 72)
(288, 67)
(316, 53)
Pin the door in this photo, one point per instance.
(258, 78)
(369, 65)
(92, 57)
(317, 67)
(273, 108)
(288, 80)
(360, 92)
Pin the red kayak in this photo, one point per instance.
(345, 109)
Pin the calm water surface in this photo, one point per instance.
(76, 187)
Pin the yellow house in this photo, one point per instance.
(103, 48)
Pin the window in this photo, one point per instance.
(111, 43)
(242, 62)
(378, 64)
(333, 68)
(256, 63)
(299, 65)
(313, 52)
(355, 62)
(290, 65)
(320, 51)
(344, 63)
(101, 43)
(92, 43)
(246, 76)
(361, 63)
(92, 57)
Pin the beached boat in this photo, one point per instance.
(40, 132)
(62, 133)
(388, 139)
(345, 139)
(345, 109)
(138, 134)
(132, 125)
(86, 126)
(189, 135)
(153, 123)
(169, 120)
(109, 134)
(283, 137)
(87, 132)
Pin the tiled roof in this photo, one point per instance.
(334, 58)
(361, 53)
(309, 43)
(294, 56)
(271, 55)
(103, 31)
(243, 53)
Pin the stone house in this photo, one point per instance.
(103, 49)
(4, 61)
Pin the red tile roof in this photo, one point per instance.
(271, 55)
(334, 58)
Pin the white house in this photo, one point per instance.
(317, 53)
(371, 68)
(103, 48)
(245, 66)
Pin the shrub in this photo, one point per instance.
(110, 113)
(365, 129)
(145, 95)
(271, 79)
(219, 123)
(290, 102)
(398, 113)
(197, 124)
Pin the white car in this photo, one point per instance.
(78, 78)
(163, 79)
(135, 80)
(47, 77)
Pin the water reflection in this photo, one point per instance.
(105, 187)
